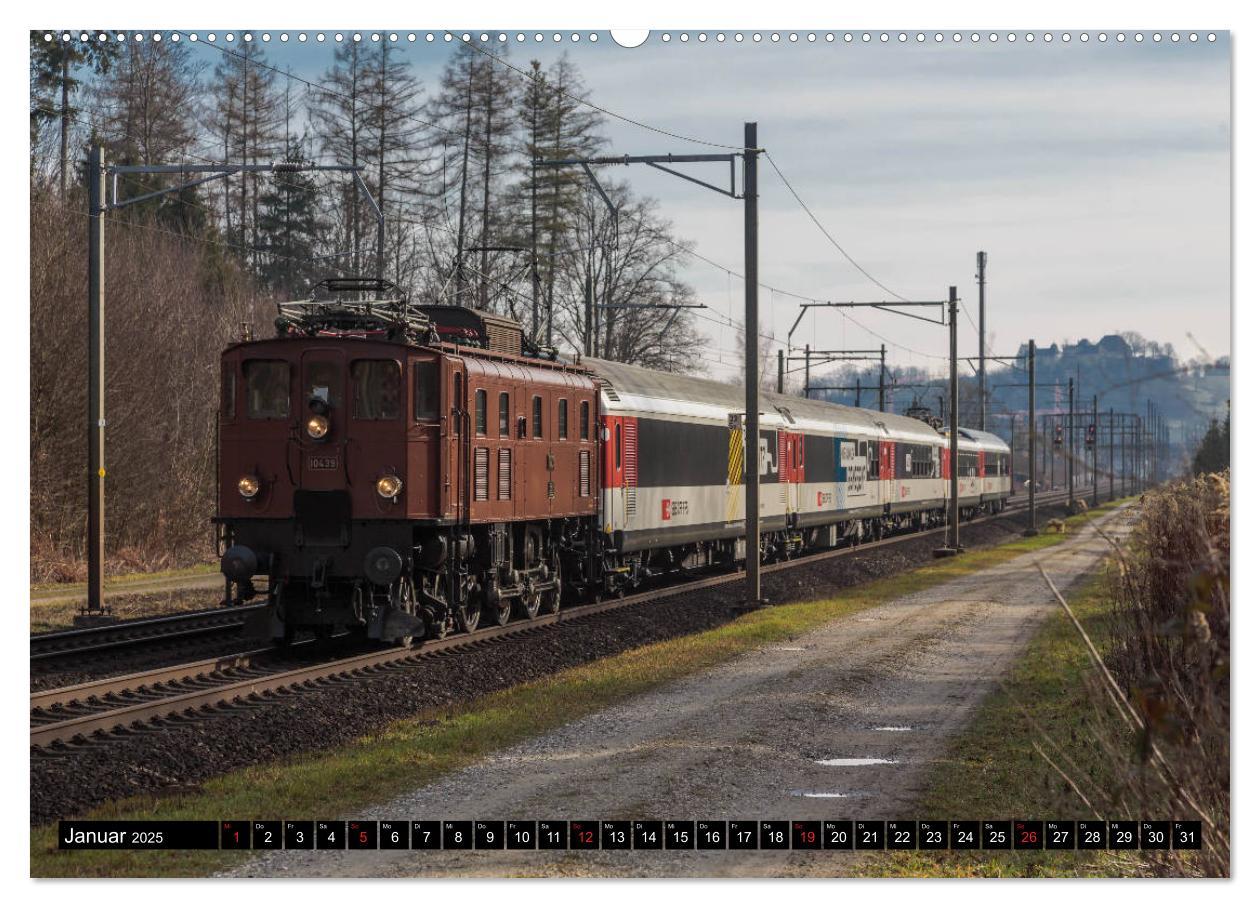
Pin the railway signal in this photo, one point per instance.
(1058, 435)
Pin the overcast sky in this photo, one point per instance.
(1096, 176)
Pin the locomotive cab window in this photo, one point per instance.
(267, 388)
(585, 420)
(481, 411)
(562, 418)
(425, 390)
(538, 417)
(377, 388)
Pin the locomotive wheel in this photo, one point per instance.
(551, 598)
(530, 602)
(497, 609)
(468, 615)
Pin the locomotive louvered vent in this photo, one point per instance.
(609, 389)
(481, 474)
(505, 474)
(632, 466)
(584, 474)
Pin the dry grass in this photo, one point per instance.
(1158, 684)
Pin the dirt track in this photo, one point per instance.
(746, 740)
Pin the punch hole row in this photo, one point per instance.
(663, 37)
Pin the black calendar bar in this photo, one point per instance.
(636, 835)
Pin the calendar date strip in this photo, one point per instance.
(633, 835)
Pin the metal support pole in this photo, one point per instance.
(1069, 445)
(779, 385)
(95, 610)
(807, 355)
(982, 259)
(752, 402)
(883, 353)
(953, 537)
(1111, 454)
(588, 306)
(1032, 438)
(1094, 451)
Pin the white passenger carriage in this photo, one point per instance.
(673, 469)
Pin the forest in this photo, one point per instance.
(465, 218)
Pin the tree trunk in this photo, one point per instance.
(65, 121)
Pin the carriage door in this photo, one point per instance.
(621, 465)
(887, 471)
(321, 394)
(791, 469)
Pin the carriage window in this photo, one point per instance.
(229, 391)
(377, 388)
(617, 447)
(425, 390)
(481, 411)
(562, 418)
(267, 388)
(538, 413)
(505, 421)
(586, 420)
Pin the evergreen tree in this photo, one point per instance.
(144, 101)
(394, 154)
(340, 115)
(247, 117)
(291, 228)
(1213, 453)
(56, 67)
(554, 125)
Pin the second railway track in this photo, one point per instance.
(80, 712)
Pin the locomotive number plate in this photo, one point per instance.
(318, 462)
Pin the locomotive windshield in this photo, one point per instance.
(377, 388)
(267, 388)
(323, 380)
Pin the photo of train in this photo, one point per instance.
(403, 471)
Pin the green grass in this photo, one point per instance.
(993, 771)
(411, 753)
(121, 579)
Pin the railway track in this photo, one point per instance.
(165, 628)
(63, 717)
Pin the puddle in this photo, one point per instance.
(788, 649)
(854, 761)
(800, 793)
(893, 728)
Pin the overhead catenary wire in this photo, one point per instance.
(592, 105)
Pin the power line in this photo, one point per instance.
(852, 261)
(594, 106)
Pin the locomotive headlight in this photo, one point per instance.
(317, 426)
(248, 486)
(388, 486)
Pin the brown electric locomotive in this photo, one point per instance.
(398, 470)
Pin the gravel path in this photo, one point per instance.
(749, 739)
